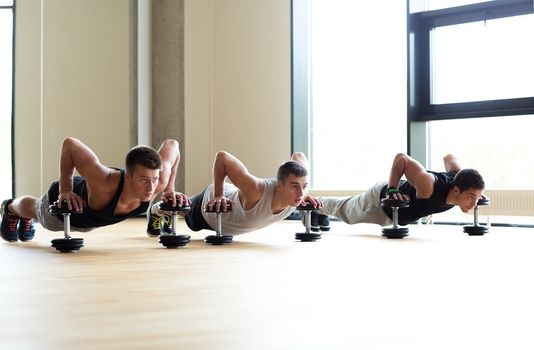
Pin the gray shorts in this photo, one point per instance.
(49, 221)
(364, 208)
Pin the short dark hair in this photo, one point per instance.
(291, 167)
(468, 178)
(144, 156)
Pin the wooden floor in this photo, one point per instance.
(437, 289)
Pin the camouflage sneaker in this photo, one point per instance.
(10, 222)
(167, 224)
(155, 225)
(26, 230)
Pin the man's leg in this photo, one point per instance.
(364, 208)
(194, 218)
(301, 158)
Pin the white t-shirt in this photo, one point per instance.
(239, 220)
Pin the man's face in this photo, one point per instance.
(468, 199)
(293, 189)
(143, 182)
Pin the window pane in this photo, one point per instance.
(500, 148)
(6, 2)
(6, 49)
(358, 92)
(483, 61)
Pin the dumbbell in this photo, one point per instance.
(67, 244)
(219, 238)
(308, 236)
(476, 229)
(395, 231)
(173, 240)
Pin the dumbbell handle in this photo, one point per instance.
(218, 228)
(395, 212)
(482, 201)
(307, 220)
(66, 225)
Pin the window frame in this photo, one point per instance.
(13, 8)
(420, 25)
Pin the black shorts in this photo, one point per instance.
(194, 219)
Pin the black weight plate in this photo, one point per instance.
(54, 209)
(307, 237)
(218, 239)
(473, 230)
(167, 206)
(307, 206)
(172, 241)
(399, 232)
(394, 203)
(65, 245)
(483, 201)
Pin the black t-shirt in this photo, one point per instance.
(419, 208)
(91, 218)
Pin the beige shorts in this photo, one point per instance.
(50, 221)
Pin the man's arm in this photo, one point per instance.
(451, 163)
(417, 176)
(250, 187)
(76, 155)
(169, 152)
(302, 159)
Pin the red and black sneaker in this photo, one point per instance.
(26, 229)
(10, 222)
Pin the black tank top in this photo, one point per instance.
(95, 218)
(419, 208)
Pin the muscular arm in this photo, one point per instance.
(76, 155)
(451, 163)
(225, 164)
(169, 152)
(417, 176)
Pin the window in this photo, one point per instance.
(6, 96)
(470, 81)
(472, 61)
(356, 90)
(482, 57)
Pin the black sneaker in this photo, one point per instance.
(323, 222)
(26, 230)
(10, 222)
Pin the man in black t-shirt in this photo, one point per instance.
(428, 192)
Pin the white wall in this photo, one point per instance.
(83, 59)
(237, 76)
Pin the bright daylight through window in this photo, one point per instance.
(486, 61)
(358, 91)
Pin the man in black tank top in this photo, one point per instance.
(104, 195)
(429, 192)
